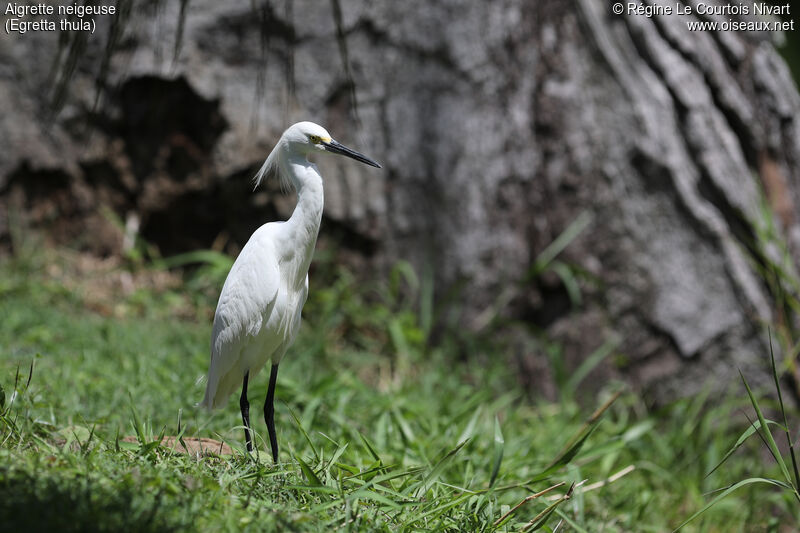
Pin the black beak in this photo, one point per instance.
(336, 148)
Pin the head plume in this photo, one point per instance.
(273, 166)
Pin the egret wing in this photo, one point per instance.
(247, 299)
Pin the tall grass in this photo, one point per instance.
(381, 429)
(789, 480)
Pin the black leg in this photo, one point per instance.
(245, 406)
(269, 413)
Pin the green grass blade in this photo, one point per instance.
(469, 429)
(766, 433)
(570, 281)
(751, 429)
(319, 489)
(370, 447)
(348, 468)
(437, 470)
(590, 363)
(440, 509)
(728, 491)
(374, 496)
(783, 412)
(499, 448)
(336, 455)
(575, 443)
(561, 242)
(398, 337)
(403, 426)
(542, 518)
(386, 477)
(137, 426)
(574, 525)
(305, 434)
(563, 458)
(30, 373)
(309, 473)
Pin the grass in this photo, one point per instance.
(379, 430)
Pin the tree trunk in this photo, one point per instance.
(499, 125)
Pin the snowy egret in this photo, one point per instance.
(258, 313)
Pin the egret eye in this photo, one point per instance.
(314, 139)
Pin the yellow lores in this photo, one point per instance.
(316, 139)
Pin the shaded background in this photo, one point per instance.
(555, 174)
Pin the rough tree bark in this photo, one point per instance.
(498, 124)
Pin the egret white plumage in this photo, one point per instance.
(258, 313)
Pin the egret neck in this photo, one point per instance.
(300, 231)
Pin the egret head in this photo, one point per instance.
(304, 138)
(307, 137)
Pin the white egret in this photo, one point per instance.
(258, 313)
